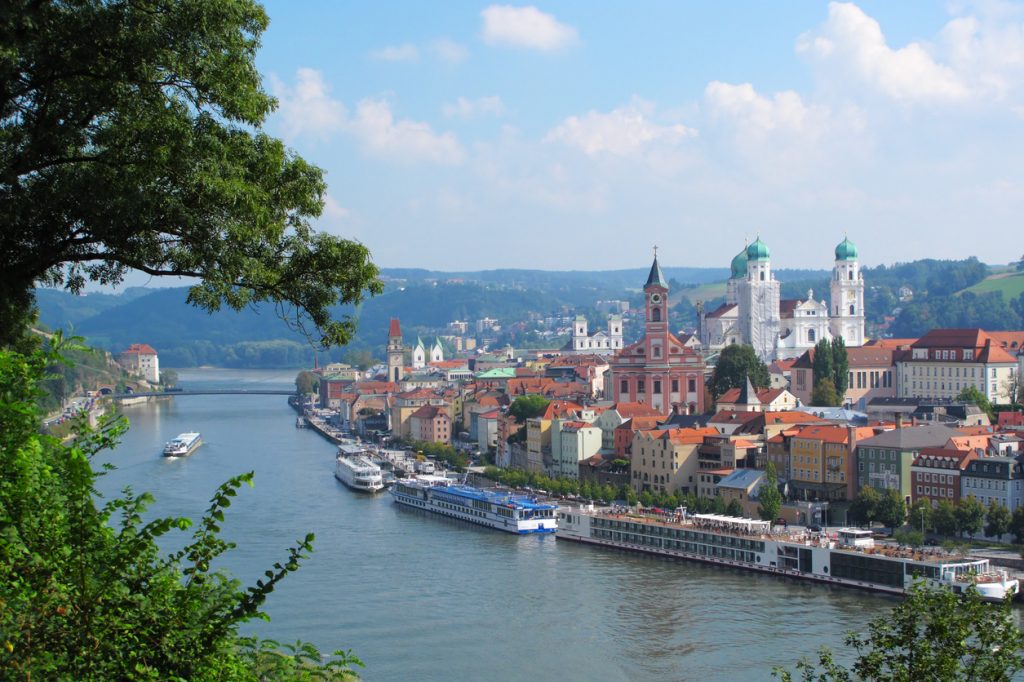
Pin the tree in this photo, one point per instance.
(306, 382)
(168, 377)
(825, 394)
(840, 366)
(933, 634)
(971, 394)
(737, 363)
(863, 509)
(646, 498)
(920, 515)
(631, 497)
(1017, 525)
(527, 407)
(718, 505)
(768, 495)
(969, 516)
(734, 508)
(997, 520)
(823, 366)
(130, 139)
(944, 518)
(87, 591)
(891, 509)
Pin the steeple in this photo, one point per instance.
(656, 277)
(748, 394)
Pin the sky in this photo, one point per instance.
(576, 135)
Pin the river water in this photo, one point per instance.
(418, 597)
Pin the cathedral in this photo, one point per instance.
(778, 329)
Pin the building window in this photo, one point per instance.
(640, 388)
(810, 335)
(762, 276)
(675, 385)
(657, 387)
(851, 310)
(656, 315)
(692, 385)
(623, 386)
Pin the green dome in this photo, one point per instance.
(739, 265)
(758, 251)
(846, 250)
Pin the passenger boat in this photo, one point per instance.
(495, 509)
(359, 473)
(185, 444)
(845, 557)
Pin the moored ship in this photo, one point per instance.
(505, 511)
(185, 444)
(846, 557)
(359, 473)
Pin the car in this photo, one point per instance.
(815, 528)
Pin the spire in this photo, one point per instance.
(748, 395)
(394, 329)
(656, 277)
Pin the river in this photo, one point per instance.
(418, 597)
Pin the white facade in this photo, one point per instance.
(848, 301)
(575, 444)
(600, 342)
(419, 355)
(760, 319)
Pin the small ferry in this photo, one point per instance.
(846, 557)
(495, 509)
(185, 444)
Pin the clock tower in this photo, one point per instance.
(847, 313)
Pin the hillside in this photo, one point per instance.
(1010, 284)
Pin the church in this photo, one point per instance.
(778, 329)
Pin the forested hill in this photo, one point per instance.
(426, 301)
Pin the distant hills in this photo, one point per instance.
(426, 301)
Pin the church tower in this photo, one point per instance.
(395, 351)
(419, 355)
(758, 299)
(846, 317)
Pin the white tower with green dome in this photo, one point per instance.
(758, 298)
(846, 317)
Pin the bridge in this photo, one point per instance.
(207, 391)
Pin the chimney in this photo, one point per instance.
(899, 420)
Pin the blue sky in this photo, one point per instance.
(575, 135)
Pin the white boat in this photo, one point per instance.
(502, 510)
(359, 473)
(185, 444)
(847, 556)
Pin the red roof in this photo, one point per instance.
(636, 409)
(429, 412)
(394, 329)
(140, 349)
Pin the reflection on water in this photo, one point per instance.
(422, 597)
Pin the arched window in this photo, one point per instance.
(851, 310)
(851, 274)
(810, 335)
(762, 275)
(656, 315)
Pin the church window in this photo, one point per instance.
(656, 315)
(624, 386)
(656, 351)
(762, 275)
(675, 385)
(810, 335)
(851, 274)
(657, 387)
(851, 310)
(640, 388)
(692, 386)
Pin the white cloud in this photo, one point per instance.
(525, 27)
(855, 43)
(307, 108)
(375, 126)
(622, 132)
(470, 108)
(333, 209)
(396, 53)
(449, 51)
(784, 111)
(988, 52)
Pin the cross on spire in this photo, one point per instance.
(655, 250)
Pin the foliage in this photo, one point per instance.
(932, 635)
(734, 508)
(824, 366)
(909, 536)
(997, 520)
(1017, 525)
(920, 515)
(168, 377)
(736, 364)
(86, 592)
(825, 394)
(307, 382)
(768, 496)
(944, 519)
(131, 140)
(527, 407)
(970, 515)
(965, 310)
(891, 510)
(841, 365)
(439, 451)
(864, 508)
(971, 394)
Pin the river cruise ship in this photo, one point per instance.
(495, 509)
(182, 446)
(359, 473)
(847, 557)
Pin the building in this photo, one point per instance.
(935, 474)
(821, 461)
(872, 375)
(395, 352)
(659, 370)
(884, 461)
(943, 362)
(141, 359)
(577, 441)
(747, 399)
(598, 343)
(754, 314)
(666, 460)
(432, 424)
(993, 480)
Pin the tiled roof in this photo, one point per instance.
(864, 356)
(139, 349)
(721, 310)
(911, 437)
(429, 412)
(394, 329)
